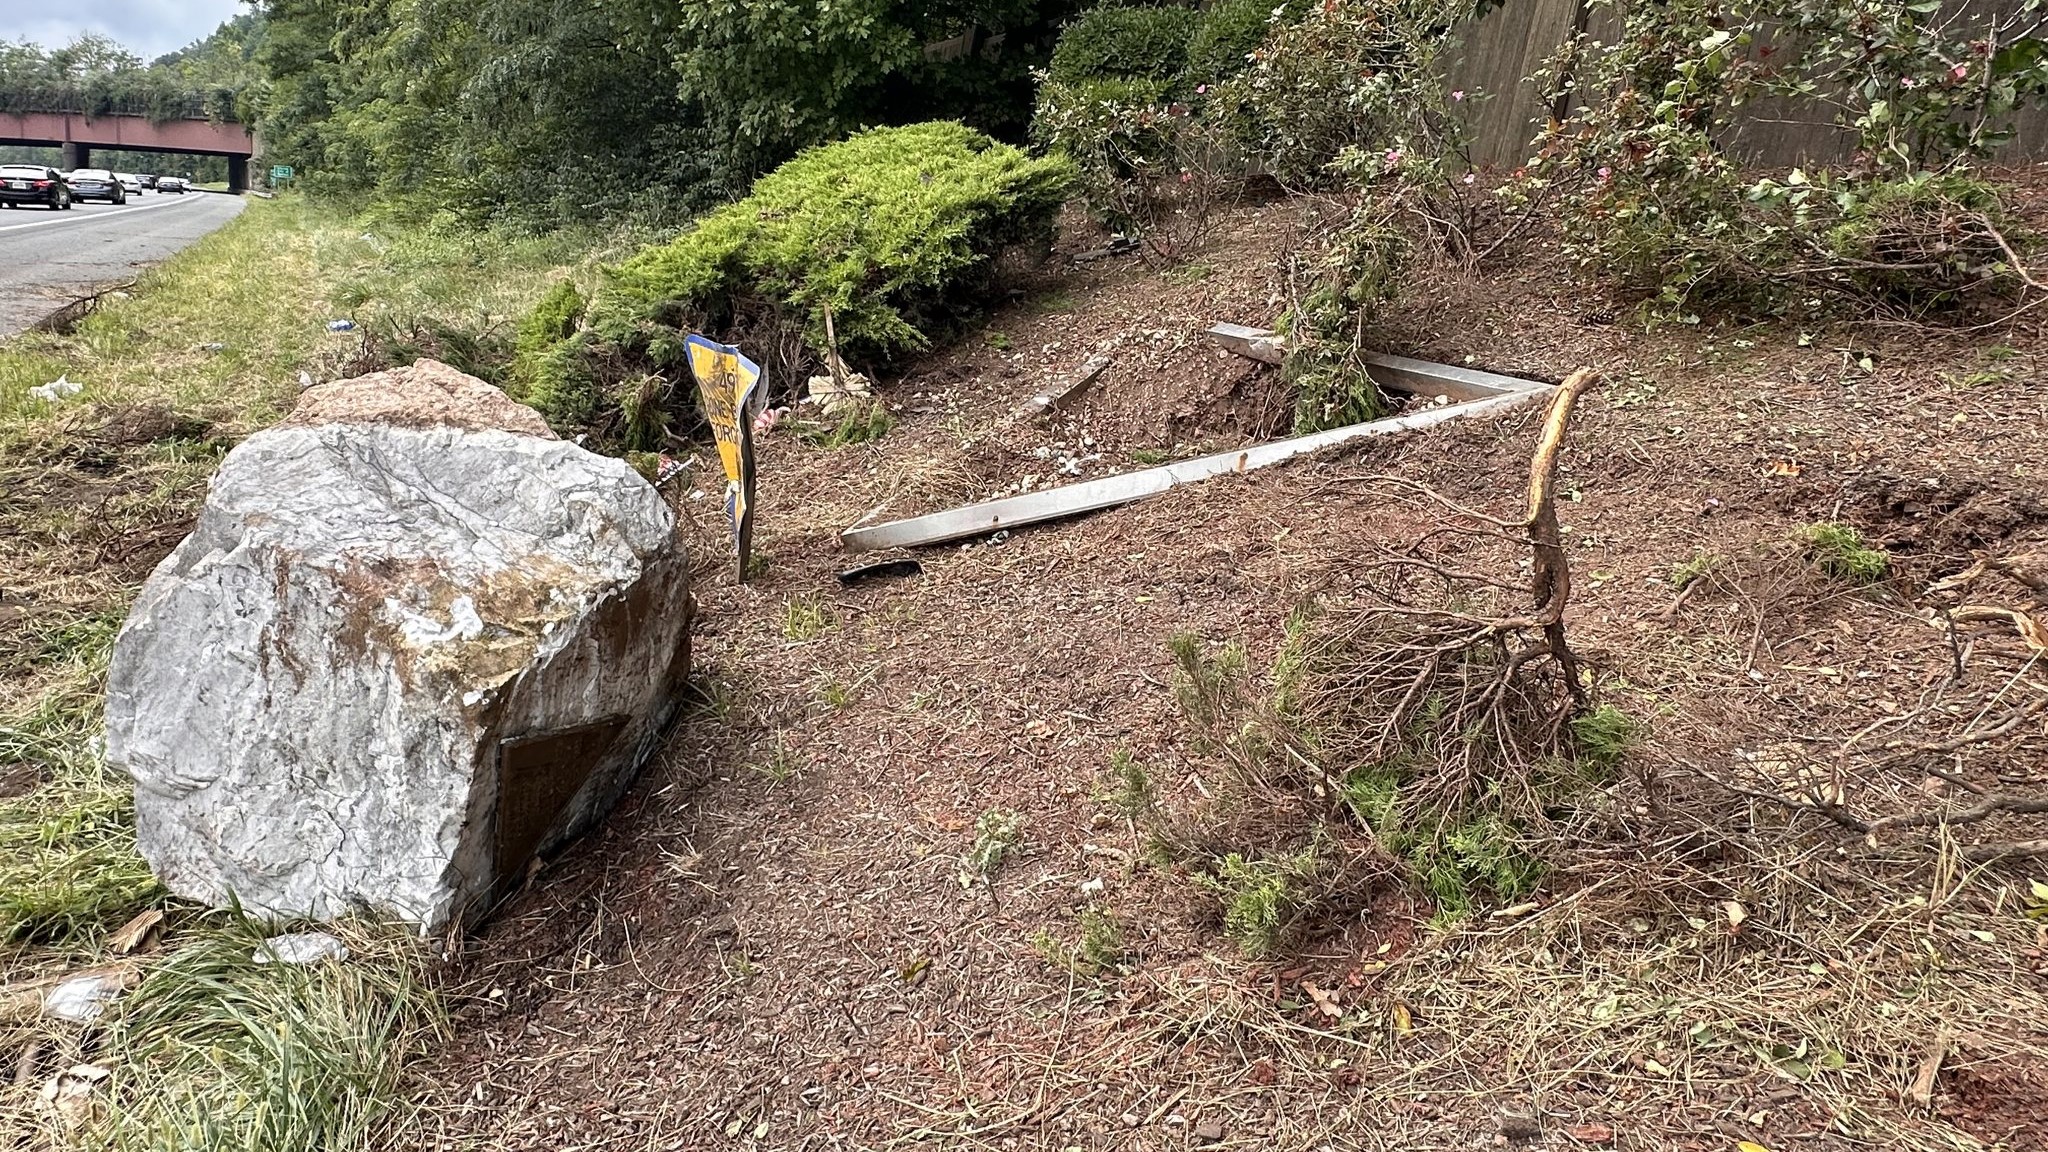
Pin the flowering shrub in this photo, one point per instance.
(1651, 203)
(1329, 81)
(1143, 162)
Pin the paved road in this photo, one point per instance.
(48, 259)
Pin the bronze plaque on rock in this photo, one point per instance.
(537, 777)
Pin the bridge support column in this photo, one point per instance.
(75, 156)
(238, 174)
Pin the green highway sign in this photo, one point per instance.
(281, 172)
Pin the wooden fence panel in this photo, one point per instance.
(1496, 56)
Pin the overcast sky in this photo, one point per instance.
(148, 28)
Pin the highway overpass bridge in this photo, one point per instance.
(78, 134)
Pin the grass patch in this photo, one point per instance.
(1056, 301)
(216, 1052)
(1839, 552)
(805, 618)
(68, 865)
(835, 693)
(210, 1052)
(781, 766)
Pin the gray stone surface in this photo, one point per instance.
(311, 692)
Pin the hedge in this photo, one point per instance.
(894, 230)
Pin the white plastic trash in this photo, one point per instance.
(82, 999)
(301, 948)
(56, 391)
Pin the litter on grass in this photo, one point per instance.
(56, 391)
(83, 999)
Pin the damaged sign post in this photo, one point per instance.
(726, 381)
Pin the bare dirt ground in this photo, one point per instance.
(770, 945)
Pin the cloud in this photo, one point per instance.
(148, 28)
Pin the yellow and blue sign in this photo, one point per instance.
(725, 384)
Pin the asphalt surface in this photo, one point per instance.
(48, 259)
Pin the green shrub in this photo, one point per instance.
(563, 386)
(880, 227)
(1602, 737)
(1128, 792)
(1480, 857)
(894, 230)
(997, 833)
(1329, 81)
(1144, 162)
(1120, 102)
(552, 321)
(859, 424)
(1839, 551)
(1261, 895)
(1229, 32)
(1100, 950)
(1125, 44)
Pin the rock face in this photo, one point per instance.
(413, 640)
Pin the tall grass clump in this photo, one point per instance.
(216, 1052)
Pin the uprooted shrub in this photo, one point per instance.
(1652, 202)
(894, 231)
(1400, 166)
(1311, 806)
(1447, 745)
(1340, 286)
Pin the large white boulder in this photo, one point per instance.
(413, 641)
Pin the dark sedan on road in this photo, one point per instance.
(96, 184)
(171, 184)
(33, 184)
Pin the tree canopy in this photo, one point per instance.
(93, 74)
(545, 110)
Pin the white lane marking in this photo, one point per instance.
(92, 217)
